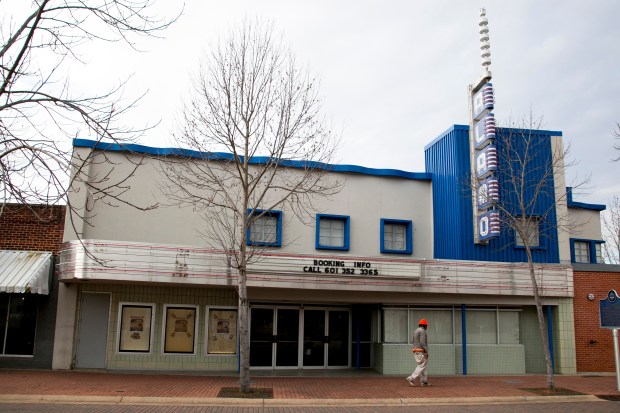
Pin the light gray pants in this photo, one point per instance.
(420, 370)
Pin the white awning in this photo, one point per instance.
(25, 271)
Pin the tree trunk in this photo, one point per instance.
(542, 325)
(244, 337)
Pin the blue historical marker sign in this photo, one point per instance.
(610, 311)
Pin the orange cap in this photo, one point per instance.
(423, 322)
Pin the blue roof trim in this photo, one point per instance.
(258, 160)
(572, 204)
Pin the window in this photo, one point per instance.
(487, 326)
(509, 327)
(530, 225)
(586, 251)
(18, 322)
(396, 236)
(599, 253)
(481, 326)
(332, 232)
(582, 251)
(439, 324)
(395, 326)
(265, 229)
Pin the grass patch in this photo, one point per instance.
(255, 393)
(558, 391)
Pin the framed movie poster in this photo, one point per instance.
(135, 327)
(221, 331)
(180, 329)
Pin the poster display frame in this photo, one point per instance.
(179, 329)
(135, 328)
(221, 331)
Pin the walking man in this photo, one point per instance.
(420, 352)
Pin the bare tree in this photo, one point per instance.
(255, 104)
(529, 203)
(611, 231)
(39, 111)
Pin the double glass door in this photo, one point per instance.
(284, 337)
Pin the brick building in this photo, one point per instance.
(593, 345)
(30, 240)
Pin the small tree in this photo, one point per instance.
(40, 113)
(611, 231)
(254, 103)
(530, 166)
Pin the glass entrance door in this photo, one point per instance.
(314, 338)
(287, 337)
(261, 337)
(274, 337)
(326, 338)
(338, 338)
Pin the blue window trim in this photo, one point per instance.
(409, 236)
(591, 246)
(347, 221)
(542, 240)
(272, 213)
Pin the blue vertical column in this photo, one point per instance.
(464, 338)
(550, 335)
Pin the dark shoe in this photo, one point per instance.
(425, 384)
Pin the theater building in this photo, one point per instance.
(144, 290)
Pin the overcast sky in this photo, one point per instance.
(394, 74)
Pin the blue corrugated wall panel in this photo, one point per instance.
(447, 159)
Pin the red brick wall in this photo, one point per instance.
(39, 228)
(598, 356)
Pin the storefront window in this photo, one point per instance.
(439, 324)
(509, 327)
(18, 322)
(482, 327)
(395, 326)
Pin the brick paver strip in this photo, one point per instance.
(26, 382)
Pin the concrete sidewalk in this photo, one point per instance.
(368, 389)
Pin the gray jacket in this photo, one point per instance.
(420, 340)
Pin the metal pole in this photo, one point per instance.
(616, 355)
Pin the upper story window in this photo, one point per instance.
(531, 232)
(265, 229)
(396, 236)
(586, 251)
(332, 232)
(582, 251)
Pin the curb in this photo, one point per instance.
(189, 401)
